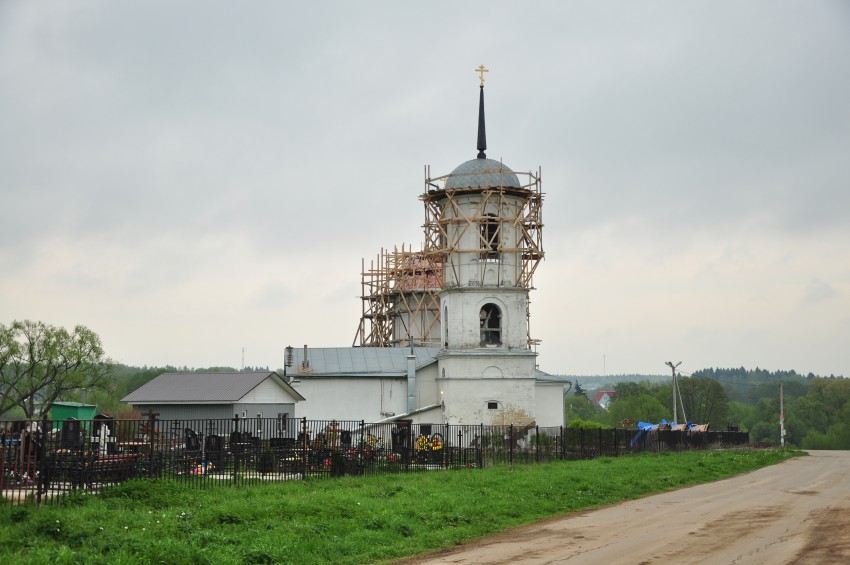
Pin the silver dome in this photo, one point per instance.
(482, 173)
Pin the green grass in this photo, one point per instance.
(347, 520)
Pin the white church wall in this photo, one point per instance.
(463, 306)
(427, 391)
(466, 267)
(549, 398)
(468, 401)
(365, 398)
(487, 363)
(349, 398)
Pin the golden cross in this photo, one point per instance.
(481, 70)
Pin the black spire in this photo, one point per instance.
(482, 136)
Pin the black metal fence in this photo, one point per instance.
(43, 460)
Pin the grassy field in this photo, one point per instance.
(347, 520)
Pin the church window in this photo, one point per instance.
(492, 405)
(489, 236)
(490, 319)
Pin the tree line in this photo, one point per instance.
(41, 364)
(817, 409)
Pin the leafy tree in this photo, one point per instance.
(738, 413)
(40, 364)
(580, 408)
(643, 408)
(704, 400)
(626, 390)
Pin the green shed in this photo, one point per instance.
(64, 410)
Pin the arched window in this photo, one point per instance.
(489, 236)
(490, 319)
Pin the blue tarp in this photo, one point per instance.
(644, 427)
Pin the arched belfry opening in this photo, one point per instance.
(490, 236)
(490, 320)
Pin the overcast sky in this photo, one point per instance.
(189, 178)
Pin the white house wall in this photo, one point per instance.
(267, 392)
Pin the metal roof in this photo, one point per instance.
(203, 387)
(482, 173)
(360, 361)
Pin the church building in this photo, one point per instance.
(444, 337)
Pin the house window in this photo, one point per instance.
(490, 319)
(489, 236)
(492, 405)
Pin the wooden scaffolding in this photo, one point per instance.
(400, 306)
(520, 208)
(400, 303)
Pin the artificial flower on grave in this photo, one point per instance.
(422, 443)
(436, 442)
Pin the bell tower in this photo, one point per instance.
(483, 228)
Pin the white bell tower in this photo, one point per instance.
(483, 226)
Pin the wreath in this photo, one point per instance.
(422, 443)
(436, 442)
(373, 442)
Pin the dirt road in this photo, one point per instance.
(795, 512)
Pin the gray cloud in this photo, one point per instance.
(159, 144)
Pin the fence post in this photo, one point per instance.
(237, 449)
(304, 449)
(537, 447)
(511, 445)
(446, 439)
(562, 451)
(41, 463)
(481, 446)
(151, 442)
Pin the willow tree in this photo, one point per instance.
(41, 363)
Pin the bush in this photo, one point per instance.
(586, 425)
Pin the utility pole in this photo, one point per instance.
(675, 388)
(781, 417)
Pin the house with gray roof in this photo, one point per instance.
(190, 396)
